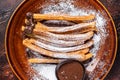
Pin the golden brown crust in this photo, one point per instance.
(42, 51)
(62, 17)
(81, 27)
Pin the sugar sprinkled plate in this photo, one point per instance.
(104, 48)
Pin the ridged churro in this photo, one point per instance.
(81, 27)
(42, 51)
(59, 42)
(62, 17)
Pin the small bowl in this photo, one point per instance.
(72, 64)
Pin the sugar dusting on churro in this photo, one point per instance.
(67, 7)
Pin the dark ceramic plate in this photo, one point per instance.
(16, 54)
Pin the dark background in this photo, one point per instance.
(8, 6)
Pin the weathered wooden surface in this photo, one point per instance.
(8, 6)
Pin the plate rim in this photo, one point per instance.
(116, 41)
(17, 8)
(6, 34)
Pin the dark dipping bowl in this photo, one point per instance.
(70, 70)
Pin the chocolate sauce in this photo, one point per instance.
(70, 70)
(30, 23)
(29, 15)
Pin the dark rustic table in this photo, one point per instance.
(8, 6)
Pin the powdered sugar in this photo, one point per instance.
(101, 34)
(67, 7)
(75, 56)
(66, 49)
(46, 70)
(92, 65)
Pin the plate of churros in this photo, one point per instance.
(61, 40)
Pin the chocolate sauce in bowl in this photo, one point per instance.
(70, 70)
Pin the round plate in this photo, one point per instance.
(16, 53)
